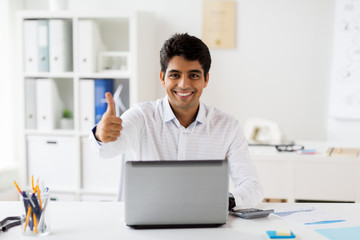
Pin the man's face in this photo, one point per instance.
(184, 82)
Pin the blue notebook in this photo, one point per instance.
(101, 87)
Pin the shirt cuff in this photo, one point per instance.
(94, 137)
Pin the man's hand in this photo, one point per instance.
(109, 127)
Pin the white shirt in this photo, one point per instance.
(152, 132)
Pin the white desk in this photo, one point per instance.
(288, 175)
(96, 220)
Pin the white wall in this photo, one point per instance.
(279, 70)
(280, 67)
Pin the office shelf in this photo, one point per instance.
(84, 176)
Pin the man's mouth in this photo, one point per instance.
(183, 94)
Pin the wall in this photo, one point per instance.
(279, 70)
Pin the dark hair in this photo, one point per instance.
(189, 47)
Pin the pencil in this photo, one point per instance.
(35, 223)
(27, 218)
(38, 192)
(17, 187)
(32, 182)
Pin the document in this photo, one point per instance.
(48, 104)
(89, 46)
(30, 99)
(43, 45)
(101, 87)
(60, 47)
(219, 21)
(30, 46)
(310, 217)
(87, 104)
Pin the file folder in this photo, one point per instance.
(30, 46)
(60, 47)
(101, 87)
(30, 100)
(43, 45)
(48, 104)
(87, 104)
(89, 45)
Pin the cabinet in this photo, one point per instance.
(61, 56)
(318, 177)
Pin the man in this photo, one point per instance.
(179, 126)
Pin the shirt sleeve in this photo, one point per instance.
(133, 122)
(248, 190)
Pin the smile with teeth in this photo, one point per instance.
(183, 94)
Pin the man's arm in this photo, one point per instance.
(108, 138)
(248, 190)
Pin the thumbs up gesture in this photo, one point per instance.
(109, 127)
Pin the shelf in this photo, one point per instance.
(49, 75)
(51, 151)
(98, 191)
(102, 75)
(57, 132)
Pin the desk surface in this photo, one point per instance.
(97, 220)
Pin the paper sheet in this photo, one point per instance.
(340, 233)
(311, 217)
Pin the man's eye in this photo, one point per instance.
(194, 76)
(174, 75)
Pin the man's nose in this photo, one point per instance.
(184, 82)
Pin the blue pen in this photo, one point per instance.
(324, 222)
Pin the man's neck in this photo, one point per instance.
(186, 116)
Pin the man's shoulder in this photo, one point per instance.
(216, 113)
(148, 107)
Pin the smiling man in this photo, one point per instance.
(180, 126)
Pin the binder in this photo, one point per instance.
(30, 46)
(43, 45)
(87, 104)
(101, 87)
(30, 99)
(60, 47)
(48, 104)
(89, 45)
(119, 105)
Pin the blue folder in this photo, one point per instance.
(43, 45)
(101, 87)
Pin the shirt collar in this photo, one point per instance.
(169, 114)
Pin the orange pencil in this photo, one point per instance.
(17, 187)
(27, 217)
(35, 223)
(38, 192)
(32, 182)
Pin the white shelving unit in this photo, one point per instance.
(62, 157)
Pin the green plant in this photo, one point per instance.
(66, 113)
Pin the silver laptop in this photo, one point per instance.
(176, 193)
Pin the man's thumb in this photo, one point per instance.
(111, 104)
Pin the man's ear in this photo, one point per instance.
(206, 80)
(162, 78)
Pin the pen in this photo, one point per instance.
(35, 224)
(324, 222)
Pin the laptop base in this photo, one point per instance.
(212, 225)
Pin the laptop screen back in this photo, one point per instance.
(176, 192)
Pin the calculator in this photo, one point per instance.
(250, 213)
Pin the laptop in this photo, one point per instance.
(160, 194)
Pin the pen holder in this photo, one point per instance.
(35, 220)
